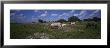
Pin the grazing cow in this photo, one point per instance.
(63, 25)
(72, 23)
(55, 25)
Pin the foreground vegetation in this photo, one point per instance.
(44, 31)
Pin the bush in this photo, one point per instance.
(91, 25)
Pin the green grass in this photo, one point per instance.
(79, 31)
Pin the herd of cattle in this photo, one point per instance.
(59, 25)
(72, 24)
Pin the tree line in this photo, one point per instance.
(72, 19)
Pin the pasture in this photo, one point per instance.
(43, 31)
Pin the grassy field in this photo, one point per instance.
(44, 31)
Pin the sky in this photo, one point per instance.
(26, 16)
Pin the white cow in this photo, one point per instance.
(72, 23)
(56, 25)
(63, 25)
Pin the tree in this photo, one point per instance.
(73, 18)
(93, 19)
(41, 21)
(61, 20)
(96, 19)
(44, 21)
(89, 19)
(33, 22)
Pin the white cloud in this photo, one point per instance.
(76, 14)
(20, 16)
(63, 15)
(94, 13)
(35, 10)
(82, 12)
(72, 11)
(54, 14)
(34, 18)
(59, 16)
(83, 16)
(91, 14)
(45, 14)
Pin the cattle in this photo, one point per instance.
(56, 25)
(61, 25)
(64, 25)
(72, 23)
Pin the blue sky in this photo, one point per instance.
(23, 16)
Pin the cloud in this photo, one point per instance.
(34, 18)
(83, 16)
(76, 14)
(63, 15)
(20, 16)
(94, 13)
(35, 10)
(44, 14)
(82, 12)
(13, 12)
(54, 14)
(72, 11)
